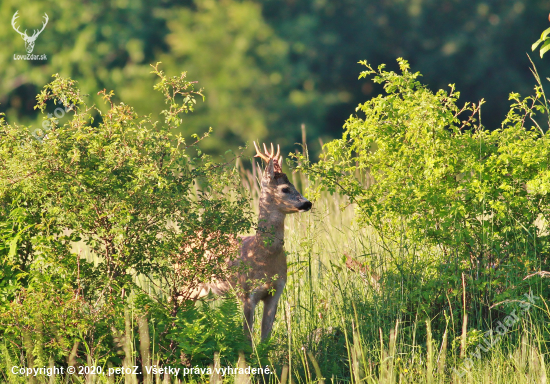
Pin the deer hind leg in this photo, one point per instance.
(270, 309)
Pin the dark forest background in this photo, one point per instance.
(269, 66)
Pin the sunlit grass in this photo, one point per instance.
(352, 321)
(345, 314)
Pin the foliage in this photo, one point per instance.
(50, 320)
(54, 319)
(339, 317)
(268, 67)
(144, 202)
(472, 201)
(239, 59)
(12, 231)
(118, 186)
(200, 331)
(451, 216)
(544, 39)
(228, 46)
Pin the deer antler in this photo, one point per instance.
(24, 34)
(260, 154)
(277, 159)
(35, 34)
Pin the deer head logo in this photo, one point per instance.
(29, 40)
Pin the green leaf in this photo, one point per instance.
(536, 44)
(14, 241)
(13, 246)
(545, 33)
(545, 48)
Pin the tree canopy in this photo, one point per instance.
(270, 66)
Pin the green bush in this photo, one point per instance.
(117, 186)
(427, 176)
(140, 200)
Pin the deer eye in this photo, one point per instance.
(286, 190)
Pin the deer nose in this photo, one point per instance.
(305, 206)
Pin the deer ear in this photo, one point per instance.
(269, 170)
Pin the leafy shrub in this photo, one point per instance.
(11, 232)
(200, 331)
(117, 187)
(142, 200)
(425, 174)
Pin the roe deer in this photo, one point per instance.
(262, 255)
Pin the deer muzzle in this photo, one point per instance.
(305, 206)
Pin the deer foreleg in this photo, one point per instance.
(270, 309)
(249, 304)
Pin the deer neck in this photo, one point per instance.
(271, 226)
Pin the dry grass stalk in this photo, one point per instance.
(429, 352)
(242, 378)
(284, 374)
(144, 347)
(464, 322)
(317, 368)
(442, 355)
(215, 378)
(29, 347)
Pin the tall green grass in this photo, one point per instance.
(347, 315)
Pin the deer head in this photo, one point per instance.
(277, 191)
(29, 41)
